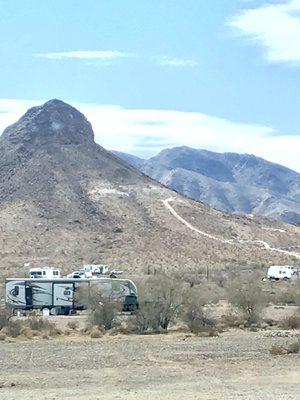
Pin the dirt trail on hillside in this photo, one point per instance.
(266, 245)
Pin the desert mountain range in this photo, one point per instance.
(66, 200)
(231, 182)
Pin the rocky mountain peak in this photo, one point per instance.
(54, 122)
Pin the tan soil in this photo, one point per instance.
(235, 365)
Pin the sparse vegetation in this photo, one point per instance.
(105, 313)
(232, 320)
(5, 315)
(194, 315)
(277, 350)
(73, 325)
(160, 301)
(292, 348)
(292, 322)
(36, 323)
(96, 333)
(249, 297)
(103, 308)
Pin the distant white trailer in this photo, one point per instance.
(281, 272)
(44, 273)
(96, 269)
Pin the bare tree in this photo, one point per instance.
(248, 296)
(103, 308)
(160, 300)
(194, 314)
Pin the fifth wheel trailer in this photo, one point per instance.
(59, 293)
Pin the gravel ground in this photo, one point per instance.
(235, 365)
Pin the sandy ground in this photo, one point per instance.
(235, 365)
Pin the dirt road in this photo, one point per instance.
(227, 241)
(235, 365)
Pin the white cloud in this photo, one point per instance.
(145, 132)
(104, 55)
(275, 27)
(176, 62)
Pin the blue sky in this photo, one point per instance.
(222, 74)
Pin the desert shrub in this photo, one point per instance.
(2, 336)
(160, 301)
(277, 350)
(103, 307)
(297, 292)
(194, 315)
(105, 313)
(193, 278)
(220, 278)
(248, 297)
(5, 315)
(14, 328)
(292, 322)
(39, 324)
(54, 331)
(96, 333)
(285, 297)
(231, 320)
(45, 336)
(144, 316)
(294, 348)
(73, 325)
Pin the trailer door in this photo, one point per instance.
(28, 296)
(63, 294)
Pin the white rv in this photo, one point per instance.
(279, 272)
(44, 273)
(96, 269)
(59, 294)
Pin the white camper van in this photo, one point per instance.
(279, 272)
(59, 294)
(44, 273)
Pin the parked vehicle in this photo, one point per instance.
(44, 273)
(80, 274)
(279, 272)
(58, 294)
(96, 269)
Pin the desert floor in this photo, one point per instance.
(235, 365)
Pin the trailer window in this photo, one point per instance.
(55, 272)
(16, 291)
(36, 273)
(44, 272)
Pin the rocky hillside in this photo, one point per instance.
(235, 183)
(66, 200)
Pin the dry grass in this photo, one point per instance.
(292, 322)
(277, 350)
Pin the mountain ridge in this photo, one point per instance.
(65, 200)
(231, 182)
